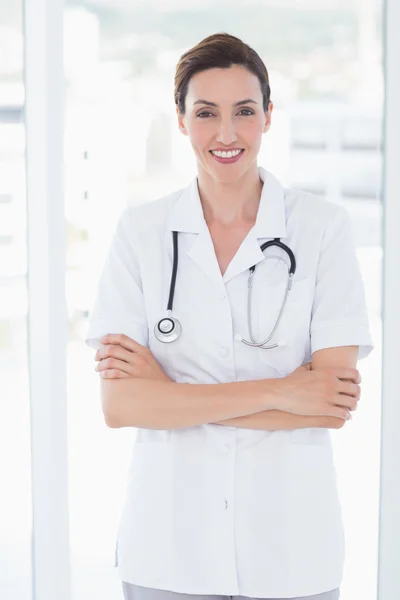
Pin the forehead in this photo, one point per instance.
(219, 85)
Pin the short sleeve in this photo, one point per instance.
(339, 313)
(119, 305)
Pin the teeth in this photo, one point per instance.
(226, 154)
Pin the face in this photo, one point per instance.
(225, 126)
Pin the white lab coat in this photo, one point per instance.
(223, 510)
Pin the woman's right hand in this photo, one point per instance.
(332, 392)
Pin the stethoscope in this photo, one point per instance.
(168, 329)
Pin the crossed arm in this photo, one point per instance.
(119, 397)
(344, 356)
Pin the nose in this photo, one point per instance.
(226, 132)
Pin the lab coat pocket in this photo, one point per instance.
(144, 536)
(310, 499)
(293, 331)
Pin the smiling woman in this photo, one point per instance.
(186, 526)
(235, 123)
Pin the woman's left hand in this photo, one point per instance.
(120, 357)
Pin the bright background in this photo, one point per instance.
(123, 146)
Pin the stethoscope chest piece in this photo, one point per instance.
(167, 330)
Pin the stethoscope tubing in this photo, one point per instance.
(174, 271)
(168, 329)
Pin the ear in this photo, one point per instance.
(268, 114)
(181, 122)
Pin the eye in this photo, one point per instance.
(243, 109)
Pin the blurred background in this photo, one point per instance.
(123, 146)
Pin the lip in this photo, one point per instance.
(227, 161)
(225, 149)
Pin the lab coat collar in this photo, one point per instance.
(187, 215)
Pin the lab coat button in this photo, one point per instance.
(224, 351)
(226, 504)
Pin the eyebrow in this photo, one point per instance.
(208, 103)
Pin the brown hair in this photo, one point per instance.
(220, 50)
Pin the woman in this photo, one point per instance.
(232, 488)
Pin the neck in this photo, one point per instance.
(230, 203)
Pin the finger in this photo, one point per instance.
(114, 351)
(114, 374)
(341, 413)
(114, 363)
(348, 373)
(349, 404)
(123, 340)
(349, 389)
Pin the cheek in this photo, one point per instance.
(252, 133)
(200, 138)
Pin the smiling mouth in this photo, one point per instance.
(226, 151)
(227, 159)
